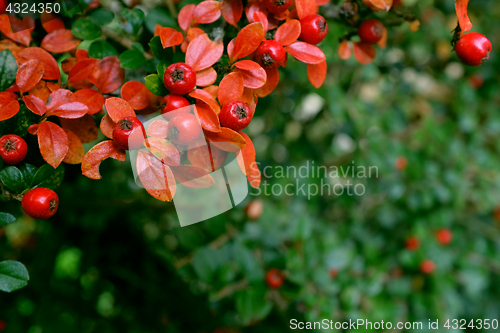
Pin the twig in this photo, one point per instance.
(171, 7)
(127, 43)
(229, 290)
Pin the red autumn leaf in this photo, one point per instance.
(317, 73)
(9, 24)
(71, 110)
(207, 98)
(305, 52)
(305, 8)
(9, 106)
(345, 50)
(250, 98)
(212, 90)
(9, 94)
(136, 94)
(248, 40)
(164, 150)
(232, 10)
(247, 163)
(41, 91)
(185, 17)
(230, 88)
(203, 53)
(158, 128)
(35, 105)
(377, 5)
(107, 126)
(68, 64)
(253, 75)
(108, 76)
(84, 127)
(81, 54)
(7, 44)
(156, 177)
(89, 97)
(53, 86)
(383, 41)
(206, 156)
(262, 18)
(33, 129)
(273, 78)
(51, 68)
(226, 140)
(29, 74)
(322, 2)
(170, 37)
(252, 8)
(51, 22)
(97, 154)
(364, 53)
(288, 32)
(118, 109)
(76, 152)
(206, 12)
(206, 77)
(53, 143)
(58, 98)
(192, 176)
(463, 17)
(82, 70)
(60, 41)
(208, 118)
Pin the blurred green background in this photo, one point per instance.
(113, 259)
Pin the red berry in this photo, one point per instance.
(473, 48)
(40, 203)
(412, 243)
(270, 54)
(371, 31)
(401, 163)
(174, 102)
(13, 149)
(129, 133)
(184, 129)
(313, 29)
(427, 266)
(274, 278)
(277, 6)
(180, 78)
(333, 273)
(444, 236)
(236, 115)
(254, 209)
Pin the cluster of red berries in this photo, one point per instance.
(39, 203)
(473, 48)
(443, 236)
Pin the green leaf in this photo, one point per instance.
(8, 69)
(252, 305)
(205, 263)
(150, 65)
(6, 218)
(138, 47)
(20, 123)
(132, 59)
(48, 177)
(159, 16)
(159, 52)
(13, 178)
(71, 8)
(86, 29)
(28, 171)
(154, 84)
(102, 16)
(161, 68)
(133, 20)
(13, 276)
(101, 49)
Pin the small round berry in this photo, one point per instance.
(270, 54)
(179, 78)
(444, 236)
(371, 31)
(40, 203)
(129, 133)
(274, 278)
(401, 163)
(184, 129)
(174, 102)
(313, 29)
(427, 266)
(254, 209)
(412, 243)
(236, 115)
(277, 6)
(473, 48)
(13, 149)
(333, 273)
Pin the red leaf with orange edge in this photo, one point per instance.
(81, 54)
(248, 40)
(136, 94)
(29, 74)
(192, 176)
(273, 78)
(207, 98)
(226, 140)
(164, 150)
(208, 118)
(232, 10)
(17, 30)
(9, 94)
(50, 65)
(51, 22)
(463, 17)
(185, 17)
(253, 75)
(158, 128)
(76, 152)
(247, 163)
(262, 18)
(7, 44)
(206, 77)
(170, 37)
(58, 98)
(206, 12)
(107, 126)
(206, 156)
(9, 106)
(230, 88)
(305, 52)
(322, 2)
(97, 154)
(306, 8)
(345, 50)
(35, 105)
(364, 53)
(317, 73)
(288, 32)
(156, 177)
(84, 127)
(72, 110)
(33, 129)
(118, 109)
(53, 143)
(82, 70)
(60, 41)
(108, 76)
(203, 53)
(89, 97)
(41, 91)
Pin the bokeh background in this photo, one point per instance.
(113, 259)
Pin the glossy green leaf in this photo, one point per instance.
(102, 16)
(132, 20)
(28, 172)
(8, 69)
(20, 123)
(252, 304)
(13, 276)
(159, 16)
(6, 218)
(86, 29)
(155, 85)
(48, 177)
(132, 59)
(13, 179)
(102, 49)
(159, 52)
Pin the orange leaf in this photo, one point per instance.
(209, 158)
(41, 91)
(207, 98)
(305, 8)
(288, 32)
(212, 90)
(345, 50)
(248, 40)
(226, 140)
(17, 30)
(463, 17)
(203, 53)
(82, 70)
(192, 176)
(108, 76)
(60, 41)
(305, 52)
(262, 18)
(163, 150)
(118, 109)
(170, 37)
(53, 143)
(185, 17)
(85, 128)
(29, 74)
(253, 75)
(89, 97)
(208, 118)
(232, 10)
(250, 98)
(97, 154)
(230, 88)
(35, 105)
(9, 106)
(71, 110)
(76, 152)
(377, 5)
(51, 68)
(68, 64)
(156, 177)
(158, 128)
(136, 94)
(317, 73)
(383, 41)
(206, 77)
(7, 44)
(364, 53)
(247, 163)
(107, 126)
(273, 78)
(206, 12)
(51, 22)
